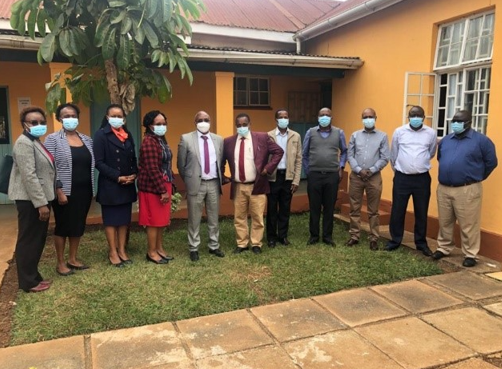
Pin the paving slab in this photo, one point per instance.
(296, 319)
(262, 358)
(414, 344)
(468, 284)
(472, 364)
(496, 275)
(361, 306)
(141, 347)
(416, 297)
(342, 349)
(222, 334)
(65, 353)
(494, 308)
(473, 327)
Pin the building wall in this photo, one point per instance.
(402, 39)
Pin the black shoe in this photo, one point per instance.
(194, 255)
(438, 255)
(312, 241)
(161, 261)
(351, 242)
(329, 242)
(65, 274)
(167, 257)
(256, 249)
(217, 252)
(284, 241)
(117, 265)
(391, 247)
(271, 244)
(425, 250)
(238, 249)
(469, 262)
(373, 245)
(78, 267)
(125, 261)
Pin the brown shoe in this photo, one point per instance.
(351, 242)
(373, 245)
(41, 287)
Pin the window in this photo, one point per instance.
(463, 67)
(251, 91)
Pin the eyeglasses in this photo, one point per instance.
(202, 120)
(37, 122)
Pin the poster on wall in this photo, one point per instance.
(23, 102)
(4, 117)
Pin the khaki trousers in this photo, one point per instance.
(461, 204)
(373, 188)
(254, 205)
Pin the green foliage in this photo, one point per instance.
(128, 32)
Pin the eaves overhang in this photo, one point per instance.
(245, 33)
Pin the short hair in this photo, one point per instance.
(28, 110)
(104, 121)
(417, 107)
(67, 105)
(278, 111)
(242, 115)
(467, 113)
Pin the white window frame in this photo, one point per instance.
(421, 95)
(248, 91)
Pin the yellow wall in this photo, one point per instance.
(402, 39)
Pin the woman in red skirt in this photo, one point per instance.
(154, 184)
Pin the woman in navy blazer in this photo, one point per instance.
(117, 165)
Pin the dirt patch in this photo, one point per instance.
(8, 296)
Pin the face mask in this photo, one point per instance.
(38, 131)
(283, 123)
(70, 124)
(242, 131)
(116, 122)
(324, 121)
(159, 130)
(416, 122)
(203, 127)
(457, 127)
(369, 123)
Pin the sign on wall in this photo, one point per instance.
(4, 117)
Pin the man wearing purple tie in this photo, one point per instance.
(199, 158)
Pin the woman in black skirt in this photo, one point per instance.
(74, 157)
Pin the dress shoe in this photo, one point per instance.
(469, 262)
(438, 255)
(312, 241)
(40, 287)
(46, 281)
(65, 274)
(271, 244)
(166, 257)
(116, 265)
(329, 242)
(373, 245)
(425, 250)
(352, 242)
(194, 255)
(161, 261)
(217, 252)
(125, 261)
(284, 241)
(391, 247)
(79, 267)
(238, 249)
(256, 249)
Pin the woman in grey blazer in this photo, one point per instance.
(32, 186)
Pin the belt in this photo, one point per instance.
(414, 174)
(460, 185)
(281, 171)
(245, 183)
(208, 180)
(323, 172)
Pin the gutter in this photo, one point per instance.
(19, 42)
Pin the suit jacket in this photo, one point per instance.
(267, 155)
(293, 157)
(188, 163)
(114, 159)
(152, 176)
(33, 175)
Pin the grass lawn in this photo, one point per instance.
(104, 297)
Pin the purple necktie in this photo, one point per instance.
(206, 155)
(242, 172)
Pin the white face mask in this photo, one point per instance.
(116, 122)
(203, 127)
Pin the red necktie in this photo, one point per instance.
(206, 155)
(242, 173)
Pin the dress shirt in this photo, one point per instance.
(282, 141)
(249, 166)
(465, 159)
(368, 150)
(324, 134)
(213, 172)
(411, 151)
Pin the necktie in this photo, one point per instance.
(206, 155)
(242, 173)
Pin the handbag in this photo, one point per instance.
(5, 169)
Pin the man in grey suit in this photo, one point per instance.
(199, 157)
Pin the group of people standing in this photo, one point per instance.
(265, 171)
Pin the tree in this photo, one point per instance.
(111, 44)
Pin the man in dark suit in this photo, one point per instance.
(251, 157)
(199, 159)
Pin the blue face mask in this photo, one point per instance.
(457, 127)
(38, 131)
(70, 124)
(242, 131)
(369, 123)
(416, 122)
(116, 122)
(324, 121)
(283, 123)
(159, 130)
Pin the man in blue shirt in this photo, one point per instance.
(466, 158)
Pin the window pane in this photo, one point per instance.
(474, 28)
(241, 83)
(253, 98)
(263, 98)
(263, 84)
(253, 84)
(471, 80)
(469, 102)
(485, 47)
(241, 98)
(470, 50)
